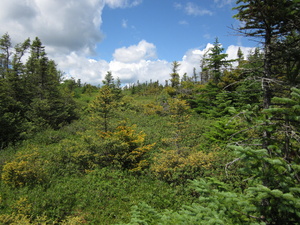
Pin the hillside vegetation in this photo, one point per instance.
(218, 147)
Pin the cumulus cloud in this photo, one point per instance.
(63, 26)
(80, 67)
(134, 53)
(191, 60)
(136, 62)
(233, 49)
(144, 70)
(94, 71)
(140, 68)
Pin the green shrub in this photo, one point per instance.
(26, 169)
(178, 166)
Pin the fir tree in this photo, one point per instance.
(216, 61)
(175, 78)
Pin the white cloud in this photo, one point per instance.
(194, 10)
(63, 26)
(129, 64)
(191, 60)
(80, 67)
(130, 67)
(144, 70)
(122, 3)
(222, 3)
(233, 49)
(69, 29)
(134, 53)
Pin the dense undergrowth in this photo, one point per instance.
(73, 174)
(168, 165)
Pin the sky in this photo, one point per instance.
(137, 40)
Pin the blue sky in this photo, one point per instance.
(134, 39)
(173, 26)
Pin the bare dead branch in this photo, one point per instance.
(229, 164)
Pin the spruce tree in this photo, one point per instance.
(268, 20)
(103, 108)
(12, 109)
(48, 106)
(175, 78)
(5, 47)
(216, 61)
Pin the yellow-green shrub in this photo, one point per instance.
(124, 148)
(14, 219)
(152, 109)
(73, 156)
(177, 166)
(25, 169)
(21, 214)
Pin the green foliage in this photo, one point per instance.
(124, 148)
(25, 169)
(217, 204)
(175, 78)
(12, 123)
(177, 167)
(215, 62)
(273, 185)
(273, 171)
(102, 196)
(285, 121)
(31, 99)
(103, 107)
(205, 99)
(48, 113)
(178, 111)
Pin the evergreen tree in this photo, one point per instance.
(109, 80)
(175, 79)
(286, 56)
(103, 106)
(273, 173)
(12, 122)
(12, 119)
(240, 56)
(268, 20)
(216, 61)
(195, 76)
(47, 105)
(5, 47)
(115, 86)
(204, 74)
(16, 77)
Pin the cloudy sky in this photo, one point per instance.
(135, 39)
